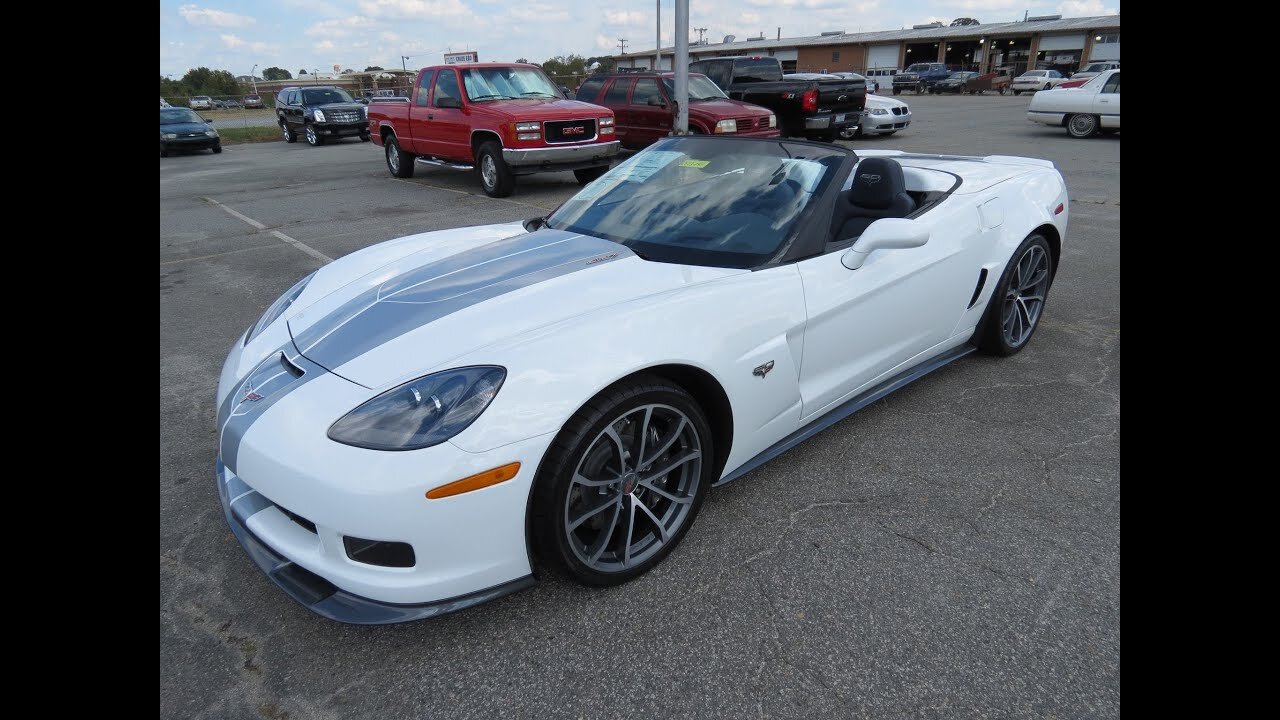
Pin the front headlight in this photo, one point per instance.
(422, 412)
(773, 121)
(211, 133)
(170, 136)
(277, 308)
(877, 111)
(604, 122)
(727, 126)
(528, 127)
(319, 116)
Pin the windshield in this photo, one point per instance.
(324, 96)
(168, 116)
(917, 68)
(507, 83)
(723, 202)
(700, 88)
(1035, 73)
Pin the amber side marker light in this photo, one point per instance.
(475, 482)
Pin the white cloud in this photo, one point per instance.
(340, 27)
(627, 17)
(196, 15)
(1084, 8)
(970, 5)
(390, 36)
(416, 9)
(539, 12)
(232, 41)
(325, 45)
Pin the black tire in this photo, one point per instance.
(990, 335)
(1017, 92)
(1082, 125)
(552, 495)
(364, 137)
(501, 182)
(400, 163)
(853, 134)
(888, 133)
(586, 175)
(217, 149)
(164, 150)
(289, 135)
(895, 91)
(1001, 91)
(314, 138)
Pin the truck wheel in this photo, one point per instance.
(586, 175)
(495, 176)
(895, 91)
(314, 139)
(289, 134)
(400, 163)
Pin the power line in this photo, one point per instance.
(622, 44)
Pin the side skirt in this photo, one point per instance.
(851, 406)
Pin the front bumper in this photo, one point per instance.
(341, 129)
(559, 158)
(196, 143)
(875, 124)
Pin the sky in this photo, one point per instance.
(235, 35)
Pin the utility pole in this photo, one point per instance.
(404, 67)
(680, 65)
(315, 76)
(622, 43)
(700, 32)
(657, 46)
(253, 78)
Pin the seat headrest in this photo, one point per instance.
(876, 182)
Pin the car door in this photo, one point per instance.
(615, 98)
(293, 110)
(651, 122)
(447, 133)
(418, 128)
(1106, 104)
(864, 324)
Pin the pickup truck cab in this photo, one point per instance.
(499, 119)
(642, 108)
(815, 106)
(920, 77)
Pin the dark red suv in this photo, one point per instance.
(641, 104)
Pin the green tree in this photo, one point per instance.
(202, 81)
(302, 71)
(275, 73)
(372, 68)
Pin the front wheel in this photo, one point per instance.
(314, 139)
(400, 163)
(289, 134)
(622, 483)
(1017, 92)
(1017, 303)
(586, 175)
(217, 149)
(1082, 125)
(495, 175)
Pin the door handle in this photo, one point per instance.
(430, 117)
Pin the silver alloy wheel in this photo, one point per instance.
(633, 488)
(311, 135)
(393, 156)
(1024, 298)
(1082, 125)
(284, 129)
(489, 172)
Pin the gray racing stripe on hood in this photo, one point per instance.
(270, 381)
(432, 291)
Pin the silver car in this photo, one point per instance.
(1033, 80)
(201, 102)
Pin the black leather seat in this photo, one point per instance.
(879, 191)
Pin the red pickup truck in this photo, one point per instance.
(500, 119)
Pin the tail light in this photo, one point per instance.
(809, 103)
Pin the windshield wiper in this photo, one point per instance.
(537, 92)
(489, 97)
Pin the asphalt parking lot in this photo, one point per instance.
(952, 551)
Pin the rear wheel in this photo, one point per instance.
(586, 175)
(1017, 303)
(495, 175)
(622, 482)
(400, 163)
(1082, 125)
(289, 134)
(314, 138)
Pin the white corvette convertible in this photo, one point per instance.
(415, 427)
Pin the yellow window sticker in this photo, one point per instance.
(695, 163)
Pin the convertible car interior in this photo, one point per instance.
(880, 187)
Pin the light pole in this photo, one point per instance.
(253, 78)
(404, 67)
(315, 76)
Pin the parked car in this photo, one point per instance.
(806, 107)
(1084, 111)
(1033, 80)
(200, 102)
(252, 101)
(883, 116)
(920, 77)
(642, 108)
(500, 119)
(232, 104)
(182, 129)
(413, 428)
(320, 113)
(1094, 69)
(956, 82)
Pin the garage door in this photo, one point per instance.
(883, 56)
(1062, 42)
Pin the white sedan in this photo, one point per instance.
(416, 427)
(1084, 111)
(882, 115)
(1034, 80)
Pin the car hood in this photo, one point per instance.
(337, 106)
(543, 109)
(456, 291)
(880, 101)
(184, 127)
(723, 109)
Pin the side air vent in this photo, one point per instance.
(982, 280)
(290, 368)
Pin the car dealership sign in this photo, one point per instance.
(461, 57)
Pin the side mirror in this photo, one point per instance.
(885, 234)
(448, 102)
(657, 102)
(533, 224)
